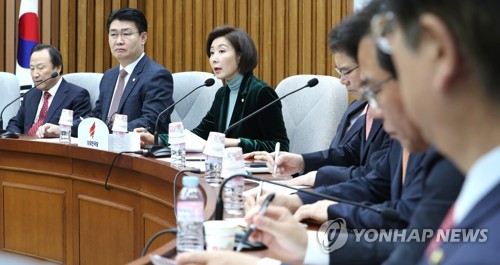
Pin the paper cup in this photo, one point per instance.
(232, 162)
(66, 117)
(215, 144)
(120, 123)
(219, 235)
(176, 133)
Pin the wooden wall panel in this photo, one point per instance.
(290, 34)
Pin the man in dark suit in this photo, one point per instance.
(352, 149)
(447, 57)
(139, 87)
(45, 104)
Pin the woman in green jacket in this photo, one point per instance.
(233, 57)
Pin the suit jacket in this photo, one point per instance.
(484, 215)
(343, 135)
(382, 188)
(443, 182)
(354, 157)
(68, 96)
(147, 93)
(259, 133)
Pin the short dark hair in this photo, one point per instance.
(347, 35)
(241, 42)
(55, 55)
(472, 23)
(130, 14)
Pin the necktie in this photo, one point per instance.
(404, 165)
(368, 120)
(118, 94)
(41, 117)
(433, 253)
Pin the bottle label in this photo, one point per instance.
(190, 211)
(214, 159)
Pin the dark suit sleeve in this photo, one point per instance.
(157, 96)
(270, 125)
(16, 123)
(81, 108)
(330, 175)
(344, 155)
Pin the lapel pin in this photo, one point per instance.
(133, 80)
(242, 100)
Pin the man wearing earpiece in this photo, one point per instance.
(52, 94)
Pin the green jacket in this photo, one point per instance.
(259, 133)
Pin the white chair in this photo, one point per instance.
(10, 90)
(195, 106)
(312, 115)
(89, 81)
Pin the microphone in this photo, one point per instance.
(310, 83)
(156, 150)
(388, 214)
(9, 134)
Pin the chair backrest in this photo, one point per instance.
(9, 85)
(194, 107)
(89, 81)
(312, 115)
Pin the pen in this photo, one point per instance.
(276, 153)
(250, 230)
(261, 185)
(195, 159)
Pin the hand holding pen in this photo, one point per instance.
(262, 210)
(276, 154)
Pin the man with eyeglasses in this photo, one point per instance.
(356, 145)
(139, 87)
(378, 76)
(447, 57)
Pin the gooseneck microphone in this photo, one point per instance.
(310, 83)
(157, 150)
(388, 214)
(9, 134)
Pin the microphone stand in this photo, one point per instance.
(156, 150)
(386, 213)
(311, 83)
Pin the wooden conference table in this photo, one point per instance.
(54, 205)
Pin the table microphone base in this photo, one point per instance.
(157, 151)
(8, 134)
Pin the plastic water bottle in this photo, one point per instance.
(178, 155)
(119, 130)
(65, 122)
(65, 134)
(190, 216)
(233, 197)
(118, 141)
(213, 167)
(233, 164)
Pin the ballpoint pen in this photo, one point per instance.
(250, 230)
(276, 153)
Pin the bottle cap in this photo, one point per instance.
(190, 181)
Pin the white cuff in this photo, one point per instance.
(314, 253)
(268, 261)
